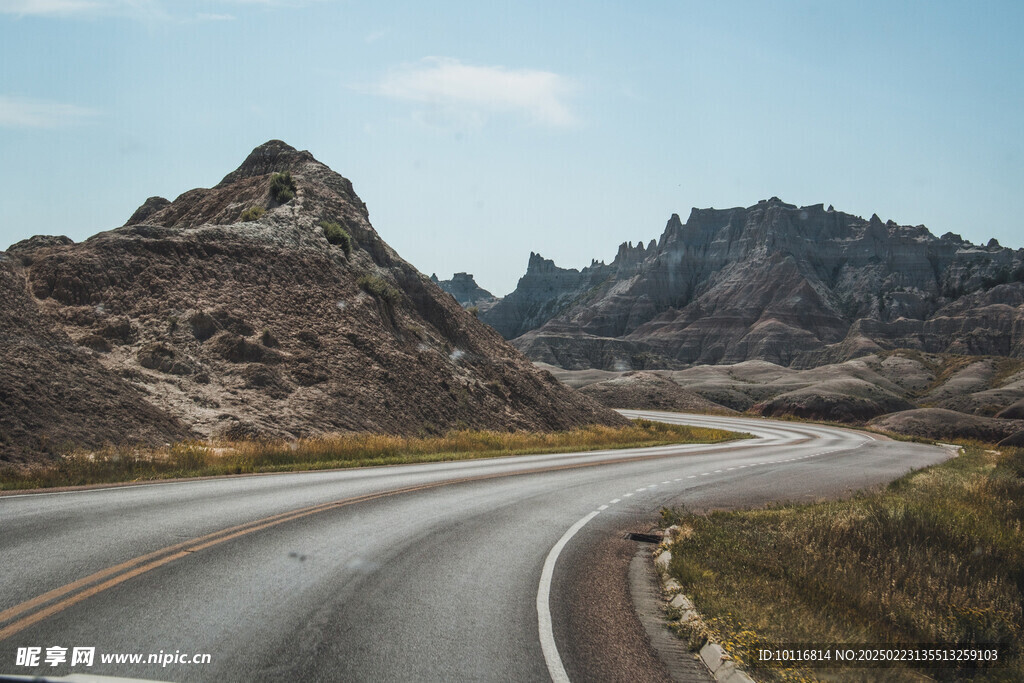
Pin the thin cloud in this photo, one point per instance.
(141, 9)
(474, 91)
(203, 16)
(273, 3)
(23, 112)
(49, 7)
(144, 9)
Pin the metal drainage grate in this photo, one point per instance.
(644, 538)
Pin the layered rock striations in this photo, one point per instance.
(227, 312)
(854, 391)
(798, 286)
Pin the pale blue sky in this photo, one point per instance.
(478, 132)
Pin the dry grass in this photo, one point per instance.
(944, 365)
(1005, 369)
(195, 459)
(937, 557)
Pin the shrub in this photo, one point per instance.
(253, 213)
(268, 339)
(474, 311)
(282, 187)
(336, 234)
(378, 287)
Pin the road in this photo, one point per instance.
(477, 570)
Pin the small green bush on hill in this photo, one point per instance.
(282, 187)
(336, 234)
(253, 213)
(379, 287)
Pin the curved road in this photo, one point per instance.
(477, 570)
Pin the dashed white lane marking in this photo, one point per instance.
(707, 474)
(547, 638)
(547, 634)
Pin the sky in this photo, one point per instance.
(477, 132)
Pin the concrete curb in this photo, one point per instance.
(714, 656)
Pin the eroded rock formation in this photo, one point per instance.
(466, 291)
(797, 286)
(227, 312)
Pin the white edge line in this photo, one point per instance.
(547, 634)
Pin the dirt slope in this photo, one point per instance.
(196, 320)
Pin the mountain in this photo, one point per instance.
(466, 291)
(264, 306)
(796, 286)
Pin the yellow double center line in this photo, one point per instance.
(50, 603)
(107, 578)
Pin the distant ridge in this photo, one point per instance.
(798, 286)
(466, 291)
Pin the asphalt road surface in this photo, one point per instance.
(478, 570)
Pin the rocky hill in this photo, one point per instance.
(264, 306)
(466, 291)
(796, 286)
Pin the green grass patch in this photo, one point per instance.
(337, 235)
(253, 213)
(379, 287)
(197, 459)
(936, 557)
(282, 187)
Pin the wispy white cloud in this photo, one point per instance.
(24, 112)
(143, 9)
(273, 3)
(472, 92)
(205, 16)
(50, 7)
